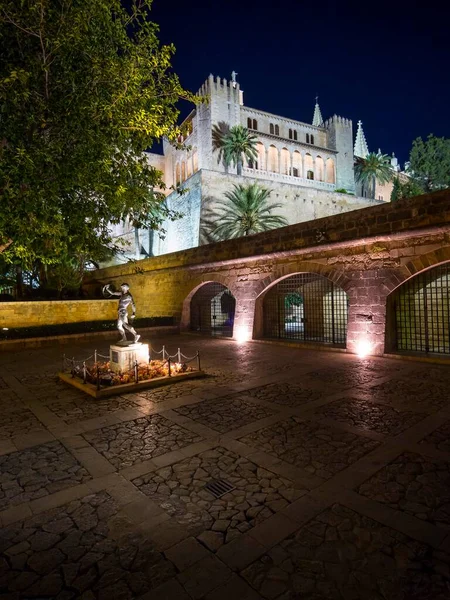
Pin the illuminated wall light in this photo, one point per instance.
(242, 334)
(363, 348)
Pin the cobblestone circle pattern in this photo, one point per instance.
(415, 484)
(319, 449)
(66, 554)
(343, 555)
(36, 472)
(225, 414)
(180, 490)
(134, 441)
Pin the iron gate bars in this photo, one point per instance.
(212, 310)
(306, 307)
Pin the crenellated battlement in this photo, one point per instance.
(216, 84)
(337, 120)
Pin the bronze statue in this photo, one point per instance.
(125, 299)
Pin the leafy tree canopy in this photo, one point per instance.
(430, 162)
(407, 189)
(85, 89)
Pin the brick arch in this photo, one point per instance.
(186, 308)
(422, 262)
(282, 272)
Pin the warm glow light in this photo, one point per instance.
(242, 334)
(363, 348)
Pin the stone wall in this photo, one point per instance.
(55, 312)
(367, 253)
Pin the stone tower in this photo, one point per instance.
(225, 99)
(340, 138)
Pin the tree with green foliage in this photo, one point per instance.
(430, 162)
(233, 144)
(376, 167)
(85, 89)
(407, 189)
(246, 211)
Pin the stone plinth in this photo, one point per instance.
(122, 358)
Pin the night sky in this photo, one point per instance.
(386, 63)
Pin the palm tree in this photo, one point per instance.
(245, 212)
(233, 144)
(376, 167)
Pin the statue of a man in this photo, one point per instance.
(125, 299)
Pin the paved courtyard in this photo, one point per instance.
(336, 475)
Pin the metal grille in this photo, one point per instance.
(219, 487)
(212, 310)
(421, 312)
(307, 308)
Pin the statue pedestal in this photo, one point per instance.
(122, 358)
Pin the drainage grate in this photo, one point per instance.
(219, 487)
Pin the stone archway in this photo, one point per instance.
(212, 309)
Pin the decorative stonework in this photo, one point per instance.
(319, 449)
(180, 490)
(415, 484)
(36, 472)
(370, 416)
(67, 554)
(341, 554)
(138, 440)
(224, 414)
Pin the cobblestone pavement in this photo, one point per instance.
(370, 416)
(287, 394)
(134, 441)
(225, 414)
(339, 468)
(37, 472)
(319, 449)
(180, 489)
(341, 554)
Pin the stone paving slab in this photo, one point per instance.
(37, 472)
(286, 394)
(440, 438)
(20, 421)
(225, 414)
(343, 555)
(370, 416)
(180, 489)
(415, 484)
(341, 377)
(407, 394)
(66, 553)
(134, 441)
(83, 408)
(319, 449)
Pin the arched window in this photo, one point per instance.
(309, 166)
(255, 124)
(271, 128)
(296, 164)
(189, 166)
(307, 138)
(295, 134)
(285, 161)
(312, 139)
(330, 171)
(277, 130)
(195, 160)
(273, 159)
(320, 169)
(249, 123)
(290, 134)
(261, 163)
(183, 171)
(177, 174)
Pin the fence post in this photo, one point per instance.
(164, 352)
(168, 362)
(136, 374)
(73, 367)
(179, 355)
(84, 371)
(95, 356)
(198, 360)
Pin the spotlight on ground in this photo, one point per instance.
(363, 348)
(242, 334)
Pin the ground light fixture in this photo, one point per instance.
(242, 334)
(363, 348)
